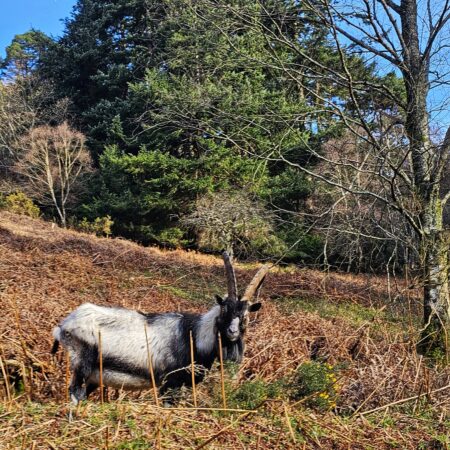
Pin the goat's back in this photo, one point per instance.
(123, 334)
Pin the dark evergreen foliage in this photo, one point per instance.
(179, 99)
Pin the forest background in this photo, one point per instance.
(283, 130)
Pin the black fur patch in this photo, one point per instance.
(123, 366)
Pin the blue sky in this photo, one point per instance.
(18, 16)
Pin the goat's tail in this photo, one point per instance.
(57, 336)
(55, 347)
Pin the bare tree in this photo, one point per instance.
(17, 117)
(52, 163)
(359, 232)
(25, 103)
(410, 39)
(232, 221)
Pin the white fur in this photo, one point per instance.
(206, 333)
(57, 333)
(120, 380)
(234, 325)
(123, 333)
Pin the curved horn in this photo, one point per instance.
(231, 277)
(256, 282)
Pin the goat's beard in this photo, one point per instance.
(234, 351)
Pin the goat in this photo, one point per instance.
(128, 337)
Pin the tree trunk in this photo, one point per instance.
(436, 306)
(63, 219)
(427, 180)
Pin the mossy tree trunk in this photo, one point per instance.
(428, 163)
(436, 310)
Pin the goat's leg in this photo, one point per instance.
(90, 388)
(83, 364)
(76, 388)
(169, 396)
(170, 389)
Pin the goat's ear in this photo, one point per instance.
(219, 300)
(255, 307)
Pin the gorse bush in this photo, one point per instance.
(313, 384)
(251, 394)
(19, 203)
(316, 383)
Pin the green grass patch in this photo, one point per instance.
(135, 444)
(193, 296)
(353, 312)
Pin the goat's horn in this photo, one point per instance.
(231, 277)
(256, 282)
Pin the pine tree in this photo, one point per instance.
(195, 83)
(106, 45)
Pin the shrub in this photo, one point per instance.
(316, 383)
(19, 203)
(100, 226)
(234, 221)
(172, 237)
(61, 152)
(250, 394)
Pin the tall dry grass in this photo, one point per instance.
(45, 272)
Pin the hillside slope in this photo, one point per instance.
(337, 320)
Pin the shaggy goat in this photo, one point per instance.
(128, 337)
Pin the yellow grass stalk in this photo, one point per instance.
(100, 356)
(288, 422)
(150, 368)
(222, 374)
(25, 381)
(212, 409)
(31, 382)
(107, 438)
(194, 391)
(158, 435)
(5, 377)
